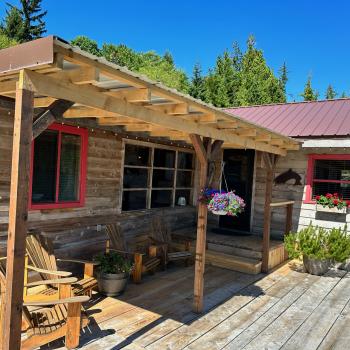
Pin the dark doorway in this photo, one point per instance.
(239, 171)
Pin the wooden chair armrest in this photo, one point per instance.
(69, 280)
(79, 299)
(79, 261)
(50, 272)
(125, 252)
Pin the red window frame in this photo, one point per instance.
(83, 133)
(310, 173)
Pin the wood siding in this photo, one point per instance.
(303, 213)
(79, 232)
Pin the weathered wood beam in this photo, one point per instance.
(172, 109)
(139, 127)
(48, 117)
(43, 101)
(90, 97)
(263, 137)
(132, 94)
(18, 216)
(7, 103)
(245, 132)
(87, 112)
(117, 120)
(226, 125)
(270, 161)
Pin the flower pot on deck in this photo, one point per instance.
(111, 284)
(316, 267)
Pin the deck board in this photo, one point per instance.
(287, 309)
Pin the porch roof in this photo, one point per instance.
(115, 96)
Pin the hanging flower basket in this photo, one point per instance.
(222, 203)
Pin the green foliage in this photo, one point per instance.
(197, 85)
(283, 77)
(113, 263)
(86, 44)
(25, 23)
(154, 66)
(330, 93)
(318, 243)
(309, 93)
(6, 41)
(343, 95)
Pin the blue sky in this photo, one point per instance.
(312, 36)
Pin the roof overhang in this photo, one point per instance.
(115, 96)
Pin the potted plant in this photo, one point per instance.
(226, 204)
(114, 272)
(331, 203)
(318, 247)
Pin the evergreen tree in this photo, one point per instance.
(258, 83)
(309, 94)
(86, 44)
(343, 95)
(283, 76)
(197, 85)
(25, 23)
(330, 93)
(169, 58)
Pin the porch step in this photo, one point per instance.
(232, 262)
(237, 251)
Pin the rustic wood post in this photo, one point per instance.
(18, 215)
(270, 162)
(289, 218)
(201, 153)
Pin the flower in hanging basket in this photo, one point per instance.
(330, 200)
(226, 204)
(207, 194)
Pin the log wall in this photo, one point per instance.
(79, 232)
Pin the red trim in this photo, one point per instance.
(83, 133)
(310, 173)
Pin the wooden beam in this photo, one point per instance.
(18, 216)
(172, 109)
(227, 125)
(87, 112)
(118, 120)
(263, 137)
(132, 94)
(43, 101)
(90, 97)
(245, 132)
(48, 117)
(7, 103)
(139, 127)
(289, 218)
(270, 164)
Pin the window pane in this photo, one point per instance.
(135, 178)
(320, 188)
(45, 167)
(134, 200)
(161, 199)
(136, 155)
(69, 168)
(185, 160)
(163, 178)
(183, 194)
(332, 169)
(164, 158)
(184, 178)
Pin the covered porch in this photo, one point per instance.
(54, 82)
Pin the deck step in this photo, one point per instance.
(232, 262)
(238, 251)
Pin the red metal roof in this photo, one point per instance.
(301, 119)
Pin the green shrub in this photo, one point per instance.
(113, 263)
(319, 243)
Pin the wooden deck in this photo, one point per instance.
(286, 309)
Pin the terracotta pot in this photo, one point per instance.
(316, 266)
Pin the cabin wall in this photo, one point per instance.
(79, 232)
(303, 213)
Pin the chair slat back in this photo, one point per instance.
(160, 230)
(116, 237)
(41, 254)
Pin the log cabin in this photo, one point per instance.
(85, 143)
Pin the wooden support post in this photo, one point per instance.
(201, 153)
(270, 161)
(289, 218)
(18, 216)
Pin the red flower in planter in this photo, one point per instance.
(318, 198)
(335, 201)
(329, 195)
(335, 195)
(348, 203)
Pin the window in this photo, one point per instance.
(155, 177)
(58, 168)
(328, 174)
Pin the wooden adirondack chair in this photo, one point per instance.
(42, 256)
(50, 320)
(143, 261)
(161, 234)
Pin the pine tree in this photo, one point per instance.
(25, 23)
(283, 76)
(197, 85)
(169, 58)
(309, 94)
(343, 95)
(330, 93)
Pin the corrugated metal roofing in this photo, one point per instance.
(301, 119)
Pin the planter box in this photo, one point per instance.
(330, 210)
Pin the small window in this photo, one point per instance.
(328, 174)
(58, 168)
(156, 177)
